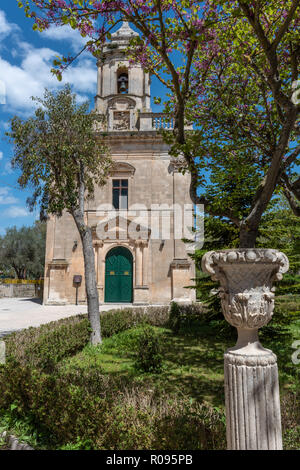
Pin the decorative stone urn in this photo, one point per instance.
(250, 371)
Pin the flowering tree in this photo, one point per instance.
(245, 102)
(236, 81)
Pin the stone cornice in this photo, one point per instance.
(59, 263)
(129, 135)
(180, 264)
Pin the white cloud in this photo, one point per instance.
(5, 125)
(1, 155)
(7, 168)
(15, 212)
(33, 75)
(4, 190)
(65, 33)
(28, 72)
(6, 28)
(6, 200)
(5, 197)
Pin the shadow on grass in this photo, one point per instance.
(192, 367)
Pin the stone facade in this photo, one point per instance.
(161, 267)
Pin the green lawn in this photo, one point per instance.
(192, 363)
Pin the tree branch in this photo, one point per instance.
(285, 25)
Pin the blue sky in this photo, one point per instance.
(25, 62)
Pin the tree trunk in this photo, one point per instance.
(90, 276)
(248, 237)
(89, 261)
(91, 285)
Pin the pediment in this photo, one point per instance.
(121, 103)
(121, 228)
(123, 168)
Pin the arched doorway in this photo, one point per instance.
(118, 275)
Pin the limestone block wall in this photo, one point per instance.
(18, 290)
(151, 182)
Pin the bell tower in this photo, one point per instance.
(123, 89)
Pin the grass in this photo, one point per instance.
(192, 367)
(23, 428)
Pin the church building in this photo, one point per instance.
(140, 216)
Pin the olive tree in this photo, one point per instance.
(59, 155)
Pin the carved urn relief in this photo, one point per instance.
(246, 277)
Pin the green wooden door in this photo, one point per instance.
(118, 275)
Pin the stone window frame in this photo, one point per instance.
(121, 186)
(122, 171)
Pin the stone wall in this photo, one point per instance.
(20, 290)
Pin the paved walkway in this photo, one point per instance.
(17, 314)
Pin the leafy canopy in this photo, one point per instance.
(58, 148)
(23, 251)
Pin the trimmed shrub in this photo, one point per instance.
(186, 317)
(85, 409)
(149, 358)
(45, 346)
(174, 320)
(115, 321)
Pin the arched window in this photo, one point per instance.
(122, 82)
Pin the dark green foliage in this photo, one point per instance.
(187, 318)
(290, 284)
(290, 415)
(84, 409)
(22, 251)
(279, 229)
(174, 321)
(52, 347)
(115, 321)
(45, 346)
(149, 357)
(218, 235)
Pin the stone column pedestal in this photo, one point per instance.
(252, 402)
(251, 377)
(141, 295)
